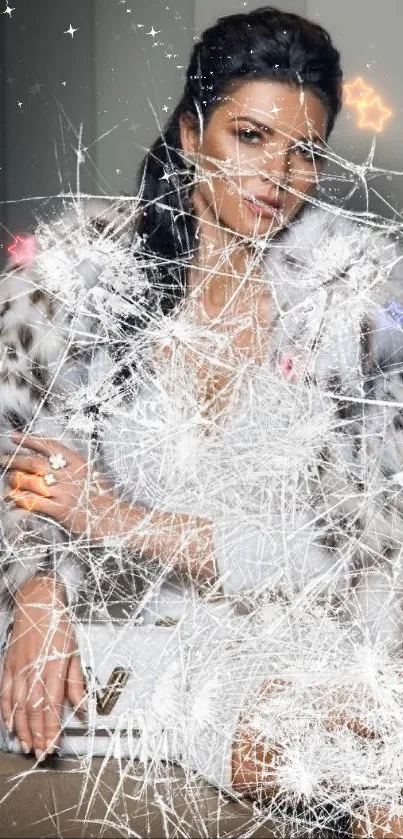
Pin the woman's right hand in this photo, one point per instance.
(41, 666)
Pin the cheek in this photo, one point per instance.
(221, 195)
(301, 183)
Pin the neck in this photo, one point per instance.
(223, 265)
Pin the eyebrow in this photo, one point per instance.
(270, 130)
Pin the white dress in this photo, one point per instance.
(273, 616)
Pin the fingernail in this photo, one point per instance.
(25, 747)
(39, 754)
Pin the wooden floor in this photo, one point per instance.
(64, 800)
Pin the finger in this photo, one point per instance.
(35, 711)
(45, 445)
(34, 503)
(36, 465)
(54, 689)
(6, 690)
(76, 690)
(19, 716)
(31, 483)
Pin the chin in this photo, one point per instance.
(262, 228)
(253, 226)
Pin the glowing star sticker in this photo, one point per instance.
(38, 486)
(23, 250)
(357, 92)
(70, 31)
(373, 114)
(153, 32)
(369, 106)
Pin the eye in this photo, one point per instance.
(309, 151)
(249, 135)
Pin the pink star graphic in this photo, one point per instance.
(23, 250)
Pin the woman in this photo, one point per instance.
(229, 389)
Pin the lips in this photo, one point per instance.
(262, 206)
(266, 199)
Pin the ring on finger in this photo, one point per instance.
(57, 461)
(49, 478)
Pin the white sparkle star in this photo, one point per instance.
(165, 108)
(275, 110)
(8, 11)
(80, 156)
(19, 104)
(164, 177)
(153, 32)
(70, 31)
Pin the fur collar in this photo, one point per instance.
(338, 287)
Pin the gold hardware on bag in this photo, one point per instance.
(107, 697)
(168, 621)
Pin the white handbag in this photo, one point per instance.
(122, 663)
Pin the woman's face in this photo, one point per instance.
(259, 156)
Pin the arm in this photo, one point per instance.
(233, 553)
(181, 541)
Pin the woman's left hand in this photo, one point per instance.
(58, 482)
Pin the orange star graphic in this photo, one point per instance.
(373, 114)
(39, 487)
(357, 92)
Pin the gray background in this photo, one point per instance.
(114, 84)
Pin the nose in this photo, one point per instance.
(277, 163)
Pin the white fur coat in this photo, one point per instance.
(334, 442)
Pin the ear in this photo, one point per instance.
(189, 135)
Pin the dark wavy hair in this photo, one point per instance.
(263, 44)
